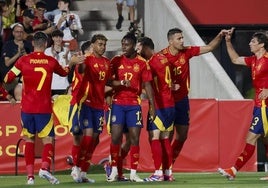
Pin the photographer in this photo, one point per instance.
(69, 23)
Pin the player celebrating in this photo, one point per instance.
(36, 108)
(259, 67)
(160, 128)
(129, 71)
(79, 93)
(178, 56)
(96, 73)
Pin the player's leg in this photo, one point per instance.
(45, 130)
(125, 147)
(117, 122)
(76, 131)
(134, 124)
(98, 119)
(256, 130)
(29, 136)
(181, 124)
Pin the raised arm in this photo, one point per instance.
(214, 43)
(235, 58)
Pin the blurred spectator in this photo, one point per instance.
(2, 4)
(23, 5)
(59, 84)
(69, 23)
(131, 5)
(8, 18)
(27, 23)
(39, 22)
(13, 49)
(52, 9)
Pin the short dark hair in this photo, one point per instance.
(56, 33)
(98, 37)
(41, 4)
(130, 36)
(85, 46)
(262, 38)
(66, 1)
(146, 41)
(40, 38)
(173, 31)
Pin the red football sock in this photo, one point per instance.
(167, 154)
(29, 158)
(157, 153)
(134, 157)
(86, 163)
(47, 156)
(75, 153)
(120, 162)
(176, 148)
(114, 150)
(244, 156)
(85, 144)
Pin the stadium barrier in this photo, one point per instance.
(216, 137)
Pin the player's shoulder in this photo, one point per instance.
(116, 58)
(164, 51)
(140, 58)
(265, 55)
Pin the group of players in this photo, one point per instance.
(100, 84)
(118, 84)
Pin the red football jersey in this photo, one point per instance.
(79, 87)
(180, 72)
(137, 71)
(36, 69)
(97, 73)
(161, 81)
(259, 72)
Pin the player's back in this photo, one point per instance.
(36, 70)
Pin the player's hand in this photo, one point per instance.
(125, 83)
(175, 87)
(12, 101)
(263, 94)
(152, 111)
(229, 34)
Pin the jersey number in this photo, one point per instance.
(101, 75)
(42, 80)
(177, 71)
(128, 75)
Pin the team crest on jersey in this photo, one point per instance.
(164, 61)
(113, 118)
(136, 68)
(182, 60)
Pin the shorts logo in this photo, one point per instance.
(113, 118)
(85, 123)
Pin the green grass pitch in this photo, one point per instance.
(189, 180)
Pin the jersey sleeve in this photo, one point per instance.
(146, 73)
(249, 60)
(58, 69)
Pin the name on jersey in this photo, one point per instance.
(38, 61)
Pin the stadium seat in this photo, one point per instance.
(38, 152)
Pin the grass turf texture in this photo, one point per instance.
(190, 180)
